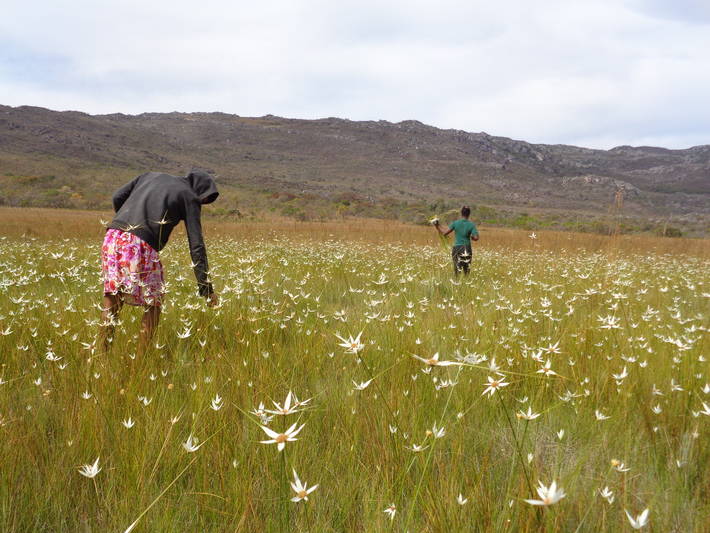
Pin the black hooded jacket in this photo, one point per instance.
(151, 205)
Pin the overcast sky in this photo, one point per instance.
(596, 73)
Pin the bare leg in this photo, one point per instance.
(112, 304)
(151, 316)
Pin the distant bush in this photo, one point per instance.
(485, 212)
(55, 198)
(670, 231)
(225, 212)
(600, 227)
(527, 222)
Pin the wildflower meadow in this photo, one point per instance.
(349, 384)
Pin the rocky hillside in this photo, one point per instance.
(313, 168)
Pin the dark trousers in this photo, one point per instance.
(461, 256)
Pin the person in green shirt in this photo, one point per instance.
(465, 231)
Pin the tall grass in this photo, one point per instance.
(40, 223)
(590, 309)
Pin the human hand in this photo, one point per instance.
(213, 300)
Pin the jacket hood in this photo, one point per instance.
(203, 185)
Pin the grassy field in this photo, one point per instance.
(595, 348)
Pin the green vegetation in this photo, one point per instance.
(595, 365)
(237, 202)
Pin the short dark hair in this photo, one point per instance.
(465, 211)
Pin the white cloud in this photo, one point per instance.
(598, 73)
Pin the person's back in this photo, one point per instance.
(154, 203)
(463, 229)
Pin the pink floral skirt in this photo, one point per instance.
(132, 269)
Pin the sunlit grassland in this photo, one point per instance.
(592, 307)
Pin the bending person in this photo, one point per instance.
(147, 209)
(465, 232)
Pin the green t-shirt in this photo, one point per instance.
(463, 229)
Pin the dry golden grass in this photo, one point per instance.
(58, 223)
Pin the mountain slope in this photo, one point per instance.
(377, 168)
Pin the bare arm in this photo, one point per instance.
(474, 233)
(444, 233)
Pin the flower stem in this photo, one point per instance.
(413, 503)
(517, 444)
(285, 519)
(371, 377)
